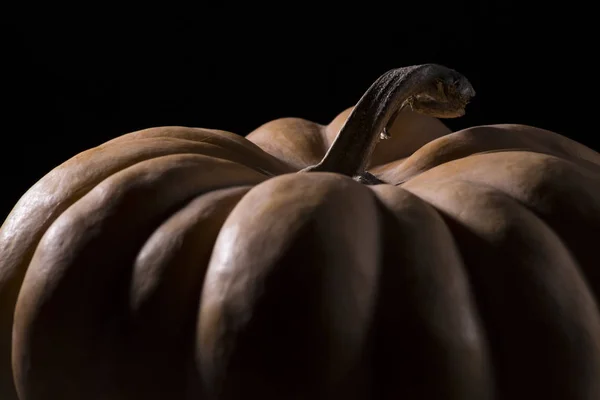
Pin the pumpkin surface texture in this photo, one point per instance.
(381, 256)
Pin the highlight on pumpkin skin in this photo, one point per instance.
(428, 89)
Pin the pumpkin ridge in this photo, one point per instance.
(549, 186)
(297, 142)
(8, 274)
(291, 274)
(571, 310)
(426, 270)
(484, 139)
(17, 255)
(228, 153)
(167, 278)
(212, 136)
(137, 198)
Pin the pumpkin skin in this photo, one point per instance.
(178, 262)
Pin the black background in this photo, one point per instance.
(74, 79)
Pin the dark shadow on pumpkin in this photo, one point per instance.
(537, 352)
(165, 330)
(138, 364)
(138, 356)
(160, 332)
(414, 351)
(577, 223)
(7, 385)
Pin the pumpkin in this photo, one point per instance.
(381, 256)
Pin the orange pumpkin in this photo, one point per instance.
(309, 261)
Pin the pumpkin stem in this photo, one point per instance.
(429, 89)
